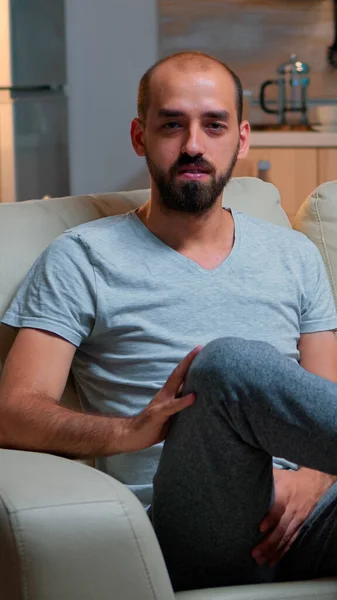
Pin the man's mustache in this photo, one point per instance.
(197, 161)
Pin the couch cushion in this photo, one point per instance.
(317, 219)
(320, 589)
(72, 533)
(255, 198)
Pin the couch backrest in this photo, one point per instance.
(27, 228)
(317, 219)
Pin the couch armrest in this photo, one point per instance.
(318, 589)
(68, 531)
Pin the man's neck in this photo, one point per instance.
(184, 231)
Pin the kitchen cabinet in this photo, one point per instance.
(327, 164)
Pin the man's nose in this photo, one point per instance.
(193, 144)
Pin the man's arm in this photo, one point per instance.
(297, 492)
(318, 354)
(32, 383)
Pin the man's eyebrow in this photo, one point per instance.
(168, 112)
(222, 115)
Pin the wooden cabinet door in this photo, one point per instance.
(294, 171)
(327, 164)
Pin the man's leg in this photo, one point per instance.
(214, 483)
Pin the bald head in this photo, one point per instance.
(185, 61)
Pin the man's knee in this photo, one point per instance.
(229, 360)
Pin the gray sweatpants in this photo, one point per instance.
(214, 484)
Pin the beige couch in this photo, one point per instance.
(67, 531)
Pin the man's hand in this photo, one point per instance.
(296, 494)
(151, 425)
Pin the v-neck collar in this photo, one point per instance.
(145, 232)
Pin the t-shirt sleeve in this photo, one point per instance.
(318, 311)
(59, 292)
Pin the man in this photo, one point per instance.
(125, 299)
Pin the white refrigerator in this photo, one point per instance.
(33, 100)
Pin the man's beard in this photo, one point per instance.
(192, 197)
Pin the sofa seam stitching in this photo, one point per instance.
(325, 252)
(29, 508)
(17, 536)
(139, 548)
(126, 512)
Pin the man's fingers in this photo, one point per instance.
(291, 541)
(265, 551)
(273, 517)
(274, 544)
(269, 523)
(177, 376)
(172, 405)
(168, 401)
(180, 389)
(288, 538)
(282, 551)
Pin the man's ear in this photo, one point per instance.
(137, 136)
(244, 139)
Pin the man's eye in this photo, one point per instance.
(172, 125)
(216, 126)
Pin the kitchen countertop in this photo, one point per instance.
(293, 139)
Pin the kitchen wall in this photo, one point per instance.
(109, 46)
(254, 36)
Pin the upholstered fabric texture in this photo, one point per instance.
(317, 219)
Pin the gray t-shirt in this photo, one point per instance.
(135, 307)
